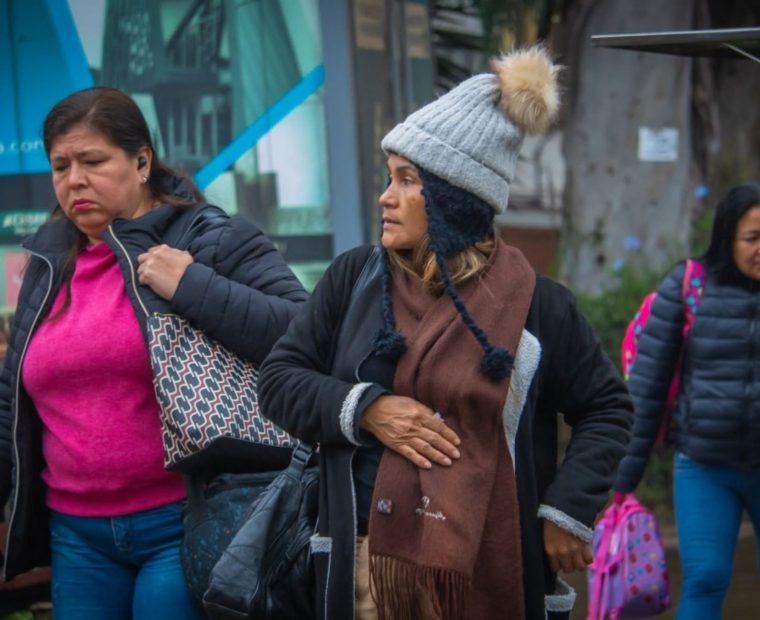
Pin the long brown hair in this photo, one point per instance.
(421, 262)
(114, 115)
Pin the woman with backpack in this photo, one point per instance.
(716, 431)
(431, 371)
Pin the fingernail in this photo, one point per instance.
(427, 465)
(456, 454)
(447, 461)
(457, 441)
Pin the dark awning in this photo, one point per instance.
(724, 43)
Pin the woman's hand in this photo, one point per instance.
(161, 268)
(411, 429)
(565, 551)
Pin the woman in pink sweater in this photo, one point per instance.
(80, 442)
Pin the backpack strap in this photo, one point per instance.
(692, 288)
(603, 564)
(609, 556)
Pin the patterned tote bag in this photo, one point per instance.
(209, 408)
(210, 413)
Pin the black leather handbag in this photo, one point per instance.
(213, 515)
(266, 570)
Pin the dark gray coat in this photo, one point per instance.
(238, 290)
(717, 421)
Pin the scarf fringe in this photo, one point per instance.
(405, 591)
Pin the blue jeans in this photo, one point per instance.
(709, 502)
(120, 567)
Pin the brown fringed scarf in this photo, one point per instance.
(445, 542)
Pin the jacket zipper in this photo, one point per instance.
(143, 307)
(132, 272)
(16, 416)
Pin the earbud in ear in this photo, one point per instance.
(141, 162)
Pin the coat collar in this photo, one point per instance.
(57, 235)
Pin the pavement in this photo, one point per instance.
(742, 601)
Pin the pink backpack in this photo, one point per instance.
(629, 575)
(692, 288)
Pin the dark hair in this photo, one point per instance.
(719, 257)
(113, 114)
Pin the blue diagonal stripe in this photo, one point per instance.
(261, 126)
(73, 53)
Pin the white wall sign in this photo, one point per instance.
(658, 144)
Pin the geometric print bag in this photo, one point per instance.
(209, 409)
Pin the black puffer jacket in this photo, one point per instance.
(238, 290)
(322, 375)
(717, 421)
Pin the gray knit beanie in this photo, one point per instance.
(465, 145)
(471, 136)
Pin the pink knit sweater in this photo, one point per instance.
(88, 374)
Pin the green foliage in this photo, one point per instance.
(656, 488)
(609, 313)
(509, 15)
(19, 615)
(45, 613)
(701, 229)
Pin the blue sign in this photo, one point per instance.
(41, 61)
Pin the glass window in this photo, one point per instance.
(232, 92)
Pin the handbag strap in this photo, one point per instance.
(195, 486)
(299, 460)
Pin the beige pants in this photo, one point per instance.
(365, 606)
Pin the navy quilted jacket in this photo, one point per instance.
(238, 289)
(718, 417)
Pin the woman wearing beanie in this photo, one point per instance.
(431, 372)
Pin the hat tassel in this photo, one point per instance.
(497, 363)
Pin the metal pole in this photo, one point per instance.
(741, 52)
(344, 169)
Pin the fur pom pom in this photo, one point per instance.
(529, 92)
